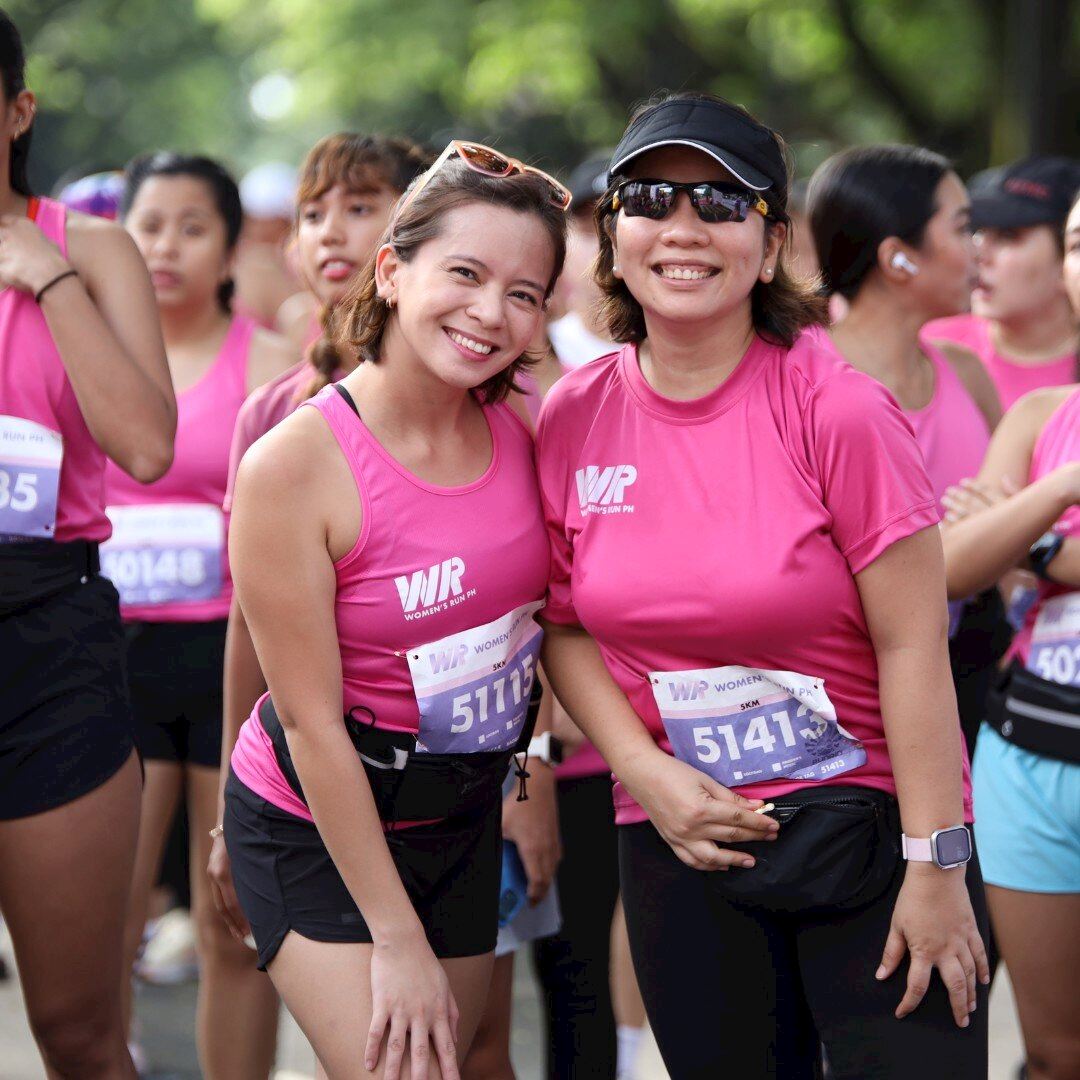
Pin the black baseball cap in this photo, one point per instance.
(1033, 191)
(746, 148)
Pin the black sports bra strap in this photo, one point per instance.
(347, 398)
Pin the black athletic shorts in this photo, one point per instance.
(65, 719)
(175, 675)
(285, 879)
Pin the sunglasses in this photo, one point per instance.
(483, 159)
(655, 199)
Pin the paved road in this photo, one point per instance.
(167, 1017)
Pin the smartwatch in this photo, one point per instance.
(1043, 551)
(946, 848)
(546, 747)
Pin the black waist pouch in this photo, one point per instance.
(838, 848)
(37, 569)
(1036, 714)
(411, 786)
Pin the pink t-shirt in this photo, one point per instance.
(429, 562)
(727, 530)
(53, 466)
(1013, 380)
(183, 509)
(1058, 444)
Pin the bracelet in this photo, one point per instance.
(217, 831)
(49, 284)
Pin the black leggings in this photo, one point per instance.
(574, 964)
(734, 991)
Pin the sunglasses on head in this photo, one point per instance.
(713, 202)
(489, 162)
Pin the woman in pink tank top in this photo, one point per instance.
(891, 228)
(167, 558)
(399, 591)
(1021, 324)
(1027, 767)
(82, 378)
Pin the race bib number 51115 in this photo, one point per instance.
(747, 725)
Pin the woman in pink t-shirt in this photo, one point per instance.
(747, 603)
(1027, 766)
(891, 225)
(389, 554)
(83, 378)
(1021, 324)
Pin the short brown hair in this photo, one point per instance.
(364, 315)
(780, 310)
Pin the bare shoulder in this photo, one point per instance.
(975, 377)
(1033, 410)
(289, 456)
(96, 245)
(269, 356)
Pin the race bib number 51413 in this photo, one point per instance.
(747, 725)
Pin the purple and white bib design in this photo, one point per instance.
(30, 460)
(165, 553)
(745, 725)
(1055, 640)
(473, 687)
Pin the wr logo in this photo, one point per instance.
(604, 486)
(422, 588)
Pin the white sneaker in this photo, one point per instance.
(168, 957)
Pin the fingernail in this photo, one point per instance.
(747, 863)
(965, 1022)
(880, 973)
(972, 1006)
(985, 980)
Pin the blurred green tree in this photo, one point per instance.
(982, 80)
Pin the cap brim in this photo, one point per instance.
(1001, 211)
(744, 173)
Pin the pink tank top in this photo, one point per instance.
(52, 483)
(431, 564)
(1013, 380)
(167, 556)
(1058, 444)
(951, 430)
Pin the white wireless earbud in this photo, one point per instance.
(901, 262)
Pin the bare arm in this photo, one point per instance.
(903, 599)
(105, 325)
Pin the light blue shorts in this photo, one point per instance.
(1027, 817)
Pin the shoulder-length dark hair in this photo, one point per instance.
(862, 196)
(779, 309)
(13, 79)
(365, 315)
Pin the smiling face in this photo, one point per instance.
(469, 301)
(177, 226)
(1019, 272)
(682, 269)
(336, 234)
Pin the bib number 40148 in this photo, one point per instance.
(507, 691)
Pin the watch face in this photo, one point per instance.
(953, 846)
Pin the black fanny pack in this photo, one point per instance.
(37, 569)
(1036, 714)
(838, 848)
(411, 786)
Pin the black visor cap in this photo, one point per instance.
(747, 149)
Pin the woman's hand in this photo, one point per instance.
(411, 995)
(28, 258)
(219, 870)
(970, 497)
(533, 825)
(933, 921)
(694, 813)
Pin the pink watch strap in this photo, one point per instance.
(916, 850)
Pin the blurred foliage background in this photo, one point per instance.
(247, 80)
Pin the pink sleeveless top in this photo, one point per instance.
(951, 430)
(1058, 444)
(168, 556)
(430, 562)
(53, 469)
(1012, 380)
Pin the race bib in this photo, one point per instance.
(473, 688)
(744, 725)
(165, 554)
(1055, 640)
(30, 460)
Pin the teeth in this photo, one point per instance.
(336, 264)
(468, 343)
(684, 273)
